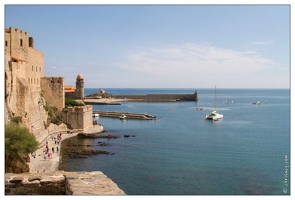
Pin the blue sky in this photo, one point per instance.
(161, 46)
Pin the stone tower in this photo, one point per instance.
(80, 87)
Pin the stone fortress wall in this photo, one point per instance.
(80, 117)
(24, 67)
(53, 91)
(27, 90)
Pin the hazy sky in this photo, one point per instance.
(161, 46)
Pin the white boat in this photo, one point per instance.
(122, 117)
(214, 115)
(95, 115)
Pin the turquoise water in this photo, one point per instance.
(181, 153)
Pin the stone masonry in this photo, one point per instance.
(60, 183)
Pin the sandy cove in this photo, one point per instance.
(38, 164)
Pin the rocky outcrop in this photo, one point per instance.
(17, 165)
(61, 183)
(53, 128)
(85, 153)
(90, 135)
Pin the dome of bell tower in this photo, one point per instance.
(80, 76)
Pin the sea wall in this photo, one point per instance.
(61, 183)
(159, 97)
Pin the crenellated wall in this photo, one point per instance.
(79, 117)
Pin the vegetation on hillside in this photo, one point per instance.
(19, 142)
(71, 103)
(54, 116)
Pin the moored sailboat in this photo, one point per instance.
(214, 115)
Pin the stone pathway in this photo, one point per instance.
(38, 164)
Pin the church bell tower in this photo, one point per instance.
(80, 87)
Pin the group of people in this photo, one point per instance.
(48, 153)
(57, 138)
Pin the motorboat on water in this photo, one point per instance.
(95, 115)
(214, 115)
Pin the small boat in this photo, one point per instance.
(122, 117)
(214, 115)
(95, 115)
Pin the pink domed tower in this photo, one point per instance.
(80, 87)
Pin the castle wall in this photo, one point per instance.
(17, 44)
(53, 91)
(71, 95)
(35, 67)
(79, 117)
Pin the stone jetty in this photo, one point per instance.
(109, 99)
(113, 114)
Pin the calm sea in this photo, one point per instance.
(247, 152)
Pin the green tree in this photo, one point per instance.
(18, 141)
(71, 103)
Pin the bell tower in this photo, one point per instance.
(80, 87)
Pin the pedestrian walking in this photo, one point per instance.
(52, 149)
(56, 149)
(34, 154)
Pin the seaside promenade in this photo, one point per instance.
(44, 177)
(39, 164)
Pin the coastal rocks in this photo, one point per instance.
(89, 135)
(85, 153)
(108, 136)
(103, 144)
(126, 136)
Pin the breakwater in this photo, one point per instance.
(158, 97)
(113, 114)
